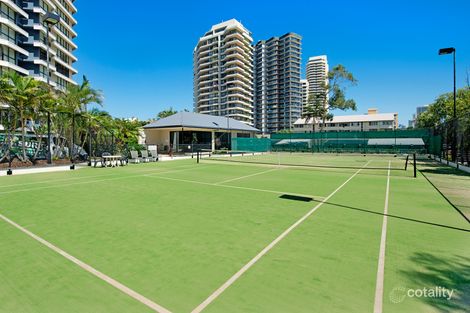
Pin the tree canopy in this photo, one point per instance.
(442, 109)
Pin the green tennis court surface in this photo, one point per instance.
(253, 233)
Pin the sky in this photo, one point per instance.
(140, 53)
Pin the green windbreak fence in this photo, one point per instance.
(400, 141)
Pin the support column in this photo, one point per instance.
(213, 140)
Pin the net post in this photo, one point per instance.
(414, 165)
(406, 163)
(197, 156)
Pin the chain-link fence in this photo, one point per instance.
(371, 142)
(451, 141)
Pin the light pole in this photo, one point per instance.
(444, 51)
(50, 19)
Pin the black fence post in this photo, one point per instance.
(414, 165)
(9, 171)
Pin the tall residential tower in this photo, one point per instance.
(278, 98)
(23, 44)
(223, 72)
(304, 92)
(317, 74)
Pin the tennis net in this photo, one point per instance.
(402, 163)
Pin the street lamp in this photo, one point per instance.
(444, 51)
(50, 19)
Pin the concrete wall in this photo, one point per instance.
(159, 137)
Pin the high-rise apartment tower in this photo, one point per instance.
(317, 74)
(223, 72)
(278, 98)
(23, 44)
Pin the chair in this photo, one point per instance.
(134, 157)
(145, 156)
(153, 155)
(104, 162)
(124, 160)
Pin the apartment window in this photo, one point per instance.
(7, 12)
(63, 30)
(7, 33)
(9, 55)
(373, 123)
(44, 6)
(63, 56)
(62, 83)
(65, 5)
(42, 71)
(62, 70)
(63, 43)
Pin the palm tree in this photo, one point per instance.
(22, 93)
(315, 110)
(75, 100)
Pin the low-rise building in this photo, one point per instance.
(365, 122)
(190, 132)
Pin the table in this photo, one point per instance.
(111, 160)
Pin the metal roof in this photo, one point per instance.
(397, 141)
(196, 120)
(353, 118)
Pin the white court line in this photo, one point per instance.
(247, 266)
(233, 187)
(84, 177)
(247, 176)
(93, 181)
(379, 287)
(154, 306)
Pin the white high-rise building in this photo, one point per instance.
(304, 91)
(317, 74)
(223, 72)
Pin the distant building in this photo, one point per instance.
(223, 72)
(366, 122)
(278, 102)
(419, 111)
(304, 92)
(317, 74)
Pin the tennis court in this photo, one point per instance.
(275, 232)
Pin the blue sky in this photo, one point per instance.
(141, 55)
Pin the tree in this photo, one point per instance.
(166, 113)
(339, 77)
(75, 100)
(315, 109)
(333, 93)
(442, 109)
(22, 93)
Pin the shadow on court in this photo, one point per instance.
(393, 216)
(452, 272)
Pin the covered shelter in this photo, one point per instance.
(188, 132)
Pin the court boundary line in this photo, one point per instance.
(278, 192)
(266, 249)
(78, 178)
(92, 181)
(88, 268)
(246, 176)
(379, 286)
